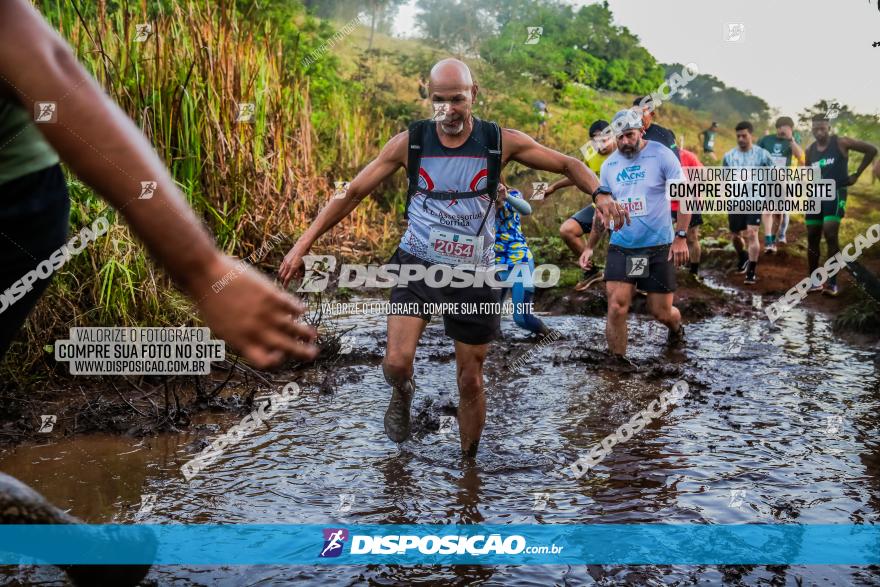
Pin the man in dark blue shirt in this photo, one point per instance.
(653, 131)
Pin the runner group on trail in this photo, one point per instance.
(454, 170)
(461, 214)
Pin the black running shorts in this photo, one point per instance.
(584, 218)
(696, 219)
(470, 327)
(738, 222)
(648, 268)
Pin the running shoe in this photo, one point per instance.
(831, 290)
(780, 240)
(744, 267)
(397, 416)
(770, 249)
(677, 337)
(750, 279)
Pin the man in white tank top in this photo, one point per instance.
(443, 229)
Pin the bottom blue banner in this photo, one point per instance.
(548, 544)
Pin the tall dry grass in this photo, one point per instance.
(247, 181)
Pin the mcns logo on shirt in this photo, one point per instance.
(631, 174)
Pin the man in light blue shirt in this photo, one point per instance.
(645, 252)
(746, 154)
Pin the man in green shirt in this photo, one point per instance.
(708, 137)
(784, 151)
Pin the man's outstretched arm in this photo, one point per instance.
(392, 158)
(524, 149)
(105, 149)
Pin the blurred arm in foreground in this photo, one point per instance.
(95, 138)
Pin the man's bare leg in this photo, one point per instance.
(739, 247)
(660, 306)
(620, 295)
(753, 243)
(572, 234)
(693, 240)
(403, 339)
(469, 359)
(767, 223)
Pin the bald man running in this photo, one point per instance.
(451, 196)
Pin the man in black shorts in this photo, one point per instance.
(452, 182)
(645, 253)
(830, 154)
(746, 154)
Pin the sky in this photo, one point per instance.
(774, 58)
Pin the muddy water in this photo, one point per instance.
(785, 429)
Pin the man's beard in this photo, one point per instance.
(454, 130)
(627, 151)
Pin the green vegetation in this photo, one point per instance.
(320, 123)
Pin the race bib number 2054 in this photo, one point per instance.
(453, 248)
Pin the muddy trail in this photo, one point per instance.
(778, 426)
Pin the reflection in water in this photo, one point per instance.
(783, 431)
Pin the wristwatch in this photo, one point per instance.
(600, 190)
(681, 234)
